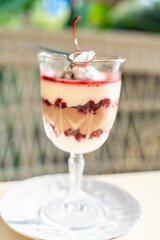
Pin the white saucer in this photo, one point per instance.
(20, 209)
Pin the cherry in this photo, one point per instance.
(74, 34)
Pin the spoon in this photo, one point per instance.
(79, 58)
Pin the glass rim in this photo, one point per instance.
(46, 55)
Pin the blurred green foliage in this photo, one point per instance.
(136, 14)
(16, 6)
(94, 14)
(51, 14)
(126, 14)
(12, 12)
(16, 13)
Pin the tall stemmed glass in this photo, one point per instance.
(79, 106)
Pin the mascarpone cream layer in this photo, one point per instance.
(79, 94)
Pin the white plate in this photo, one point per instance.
(20, 209)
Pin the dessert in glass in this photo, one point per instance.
(80, 96)
(79, 107)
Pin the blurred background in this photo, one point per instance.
(127, 28)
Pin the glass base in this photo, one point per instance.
(76, 214)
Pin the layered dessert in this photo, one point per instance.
(79, 106)
(79, 100)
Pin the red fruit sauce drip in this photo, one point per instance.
(82, 82)
(74, 34)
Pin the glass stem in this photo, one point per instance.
(76, 164)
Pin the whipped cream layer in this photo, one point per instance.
(84, 73)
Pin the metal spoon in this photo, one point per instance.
(79, 58)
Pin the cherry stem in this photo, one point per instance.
(74, 34)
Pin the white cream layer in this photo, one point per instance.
(69, 144)
(79, 94)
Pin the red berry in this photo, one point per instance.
(45, 101)
(81, 110)
(100, 103)
(92, 106)
(59, 103)
(105, 102)
(96, 133)
(78, 136)
(68, 132)
(63, 105)
(108, 102)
